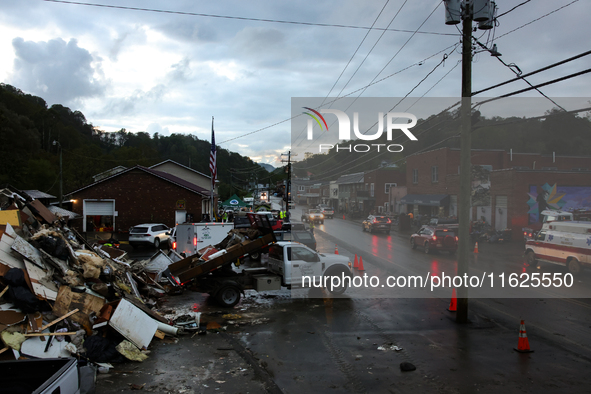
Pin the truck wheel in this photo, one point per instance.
(157, 243)
(530, 258)
(228, 296)
(256, 256)
(574, 267)
(337, 290)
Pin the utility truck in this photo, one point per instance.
(290, 265)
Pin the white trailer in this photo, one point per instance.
(191, 237)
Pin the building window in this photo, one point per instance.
(387, 187)
(415, 175)
(434, 174)
(371, 190)
(301, 188)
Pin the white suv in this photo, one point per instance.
(150, 234)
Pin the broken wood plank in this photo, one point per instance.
(4, 291)
(49, 334)
(159, 334)
(59, 319)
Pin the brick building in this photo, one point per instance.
(386, 187)
(517, 188)
(138, 195)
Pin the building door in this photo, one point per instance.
(180, 216)
(99, 213)
(500, 212)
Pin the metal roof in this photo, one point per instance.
(38, 194)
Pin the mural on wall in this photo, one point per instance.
(481, 185)
(556, 197)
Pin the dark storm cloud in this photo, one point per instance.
(59, 71)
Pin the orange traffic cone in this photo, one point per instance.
(344, 217)
(336, 249)
(523, 344)
(355, 262)
(453, 304)
(476, 248)
(360, 268)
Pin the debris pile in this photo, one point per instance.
(63, 297)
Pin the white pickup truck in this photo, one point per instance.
(290, 264)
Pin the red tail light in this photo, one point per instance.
(194, 241)
(456, 238)
(375, 220)
(174, 245)
(389, 221)
(435, 238)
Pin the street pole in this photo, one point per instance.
(61, 195)
(288, 184)
(465, 165)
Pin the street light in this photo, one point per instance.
(61, 195)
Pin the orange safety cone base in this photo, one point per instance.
(476, 248)
(360, 268)
(453, 304)
(355, 262)
(523, 351)
(336, 249)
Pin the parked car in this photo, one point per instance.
(313, 215)
(377, 223)
(436, 238)
(149, 234)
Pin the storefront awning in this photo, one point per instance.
(430, 200)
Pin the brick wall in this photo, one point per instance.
(140, 198)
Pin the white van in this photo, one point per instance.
(566, 243)
(191, 237)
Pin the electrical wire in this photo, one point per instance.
(537, 19)
(356, 50)
(534, 72)
(238, 17)
(512, 9)
(518, 73)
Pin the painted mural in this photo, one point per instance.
(566, 198)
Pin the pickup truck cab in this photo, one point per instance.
(313, 216)
(326, 210)
(300, 266)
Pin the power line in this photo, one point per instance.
(537, 19)
(534, 72)
(536, 86)
(239, 17)
(512, 67)
(338, 98)
(356, 50)
(512, 9)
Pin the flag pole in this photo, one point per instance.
(213, 168)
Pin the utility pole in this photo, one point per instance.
(464, 202)
(61, 195)
(288, 183)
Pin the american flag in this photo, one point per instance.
(212, 158)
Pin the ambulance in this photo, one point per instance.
(566, 243)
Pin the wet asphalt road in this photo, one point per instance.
(310, 342)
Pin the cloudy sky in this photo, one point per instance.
(170, 72)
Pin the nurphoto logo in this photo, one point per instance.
(344, 123)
